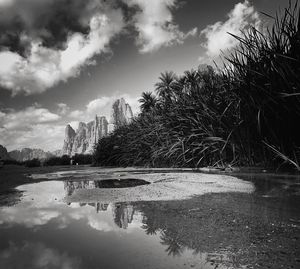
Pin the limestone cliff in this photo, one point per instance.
(57, 153)
(69, 140)
(121, 114)
(88, 134)
(85, 137)
(29, 154)
(4, 154)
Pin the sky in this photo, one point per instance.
(64, 61)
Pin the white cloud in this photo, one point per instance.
(155, 25)
(38, 127)
(101, 107)
(24, 118)
(62, 108)
(241, 17)
(44, 67)
(33, 127)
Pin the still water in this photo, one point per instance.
(226, 230)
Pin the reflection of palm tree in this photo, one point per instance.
(151, 225)
(148, 101)
(173, 242)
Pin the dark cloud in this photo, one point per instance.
(49, 21)
(45, 42)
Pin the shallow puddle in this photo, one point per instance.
(222, 230)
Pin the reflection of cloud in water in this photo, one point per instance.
(29, 217)
(42, 194)
(43, 202)
(64, 216)
(36, 255)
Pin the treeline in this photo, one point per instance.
(79, 159)
(66, 160)
(245, 113)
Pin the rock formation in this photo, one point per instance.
(57, 153)
(4, 154)
(29, 154)
(69, 140)
(86, 136)
(121, 114)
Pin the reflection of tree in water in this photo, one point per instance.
(173, 242)
(228, 230)
(196, 224)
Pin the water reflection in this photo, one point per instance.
(36, 255)
(211, 231)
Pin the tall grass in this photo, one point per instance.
(265, 75)
(214, 118)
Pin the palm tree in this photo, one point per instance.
(148, 101)
(191, 81)
(165, 88)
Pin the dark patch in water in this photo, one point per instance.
(120, 183)
(9, 197)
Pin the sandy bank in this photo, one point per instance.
(164, 186)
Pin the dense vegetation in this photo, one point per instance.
(66, 160)
(32, 163)
(245, 113)
(80, 159)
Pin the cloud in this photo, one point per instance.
(21, 119)
(62, 108)
(38, 127)
(102, 107)
(43, 43)
(33, 126)
(217, 39)
(155, 25)
(36, 58)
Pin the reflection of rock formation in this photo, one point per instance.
(98, 206)
(71, 186)
(122, 214)
(101, 207)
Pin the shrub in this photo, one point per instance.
(32, 163)
(63, 160)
